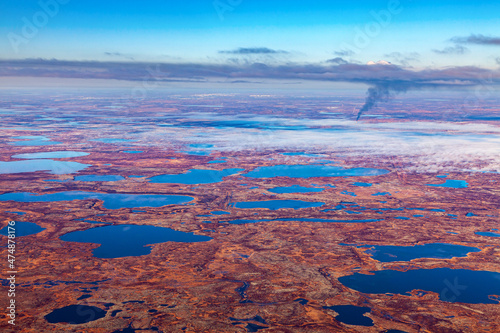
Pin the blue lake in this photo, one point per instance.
(220, 160)
(219, 212)
(99, 178)
(196, 152)
(360, 184)
(17, 213)
(351, 315)
(33, 141)
(389, 253)
(308, 171)
(295, 189)
(51, 166)
(277, 204)
(75, 314)
(23, 229)
(51, 154)
(111, 200)
(487, 234)
(129, 240)
(303, 220)
(133, 151)
(201, 145)
(452, 285)
(302, 153)
(381, 193)
(195, 176)
(451, 183)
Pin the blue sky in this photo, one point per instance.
(417, 35)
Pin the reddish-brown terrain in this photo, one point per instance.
(247, 270)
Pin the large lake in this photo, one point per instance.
(195, 176)
(452, 285)
(308, 171)
(111, 200)
(51, 166)
(389, 253)
(129, 240)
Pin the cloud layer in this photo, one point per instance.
(477, 39)
(457, 49)
(384, 80)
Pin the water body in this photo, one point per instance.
(308, 171)
(301, 301)
(381, 193)
(276, 204)
(111, 200)
(295, 189)
(23, 229)
(352, 194)
(217, 161)
(451, 183)
(487, 234)
(352, 315)
(452, 285)
(302, 153)
(33, 141)
(303, 220)
(85, 296)
(99, 178)
(51, 154)
(390, 253)
(17, 213)
(201, 145)
(133, 151)
(196, 153)
(241, 123)
(129, 240)
(360, 184)
(195, 176)
(75, 314)
(51, 166)
(219, 212)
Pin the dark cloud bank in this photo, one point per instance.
(384, 80)
(477, 39)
